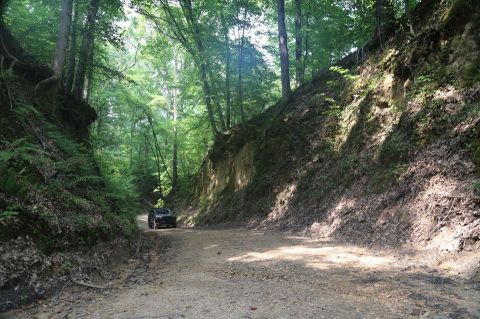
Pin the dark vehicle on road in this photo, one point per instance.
(161, 217)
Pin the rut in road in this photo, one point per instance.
(252, 274)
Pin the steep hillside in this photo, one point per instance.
(382, 149)
(55, 201)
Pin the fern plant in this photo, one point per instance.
(24, 111)
(9, 214)
(15, 167)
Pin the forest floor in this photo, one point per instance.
(238, 273)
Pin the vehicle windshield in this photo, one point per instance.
(163, 212)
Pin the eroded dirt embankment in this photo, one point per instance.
(253, 274)
(384, 153)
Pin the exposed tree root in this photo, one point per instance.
(86, 284)
(48, 83)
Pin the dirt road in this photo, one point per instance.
(252, 274)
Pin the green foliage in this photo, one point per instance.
(82, 222)
(36, 34)
(73, 193)
(141, 65)
(9, 183)
(7, 214)
(474, 147)
(150, 97)
(25, 111)
(344, 73)
(15, 166)
(387, 177)
(476, 186)
(471, 74)
(122, 191)
(66, 267)
(432, 76)
(77, 181)
(394, 149)
(334, 109)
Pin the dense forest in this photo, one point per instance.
(349, 119)
(166, 78)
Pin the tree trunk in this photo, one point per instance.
(408, 15)
(282, 45)
(407, 7)
(62, 39)
(87, 42)
(72, 51)
(384, 17)
(157, 152)
(175, 125)
(307, 44)
(145, 150)
(89, 78)
(240, 68)
(218, 107)
(175, 162)
(208, 101)
(228, 96)
(61, 47)
(132, 129)
(183, 165)
(299, 75)
(202, 64)
(157, 163)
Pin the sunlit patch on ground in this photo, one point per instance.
(210, 247)
(334, 219)
(323, 256)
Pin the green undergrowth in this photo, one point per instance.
(53, 189)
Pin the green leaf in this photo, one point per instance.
(7, 214)
(5, 156)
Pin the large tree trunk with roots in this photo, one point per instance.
(61, 48)
(16, 59)
(282, 45)
(85, 49)
(63, 35)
